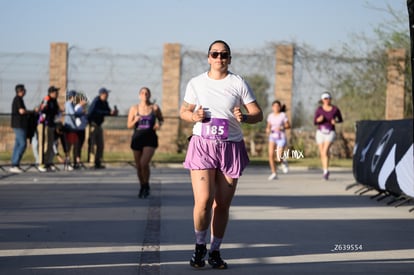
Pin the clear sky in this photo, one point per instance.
(129, 26)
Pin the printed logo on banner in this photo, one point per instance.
(380, 149)
(403, 170)
(384, 156)
(365, 151)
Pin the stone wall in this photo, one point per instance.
(395, 99)
(171, 67)
(58, 70)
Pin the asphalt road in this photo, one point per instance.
(91, 222)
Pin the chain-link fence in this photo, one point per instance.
(124, 74)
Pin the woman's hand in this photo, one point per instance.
(198, 115)
(238, 114)
(136, 118)
(320, 119)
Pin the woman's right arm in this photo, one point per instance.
(318, 117)
(268, 128)
(187, 112)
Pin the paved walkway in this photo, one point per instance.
(91, 222)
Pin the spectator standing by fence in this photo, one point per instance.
(49, 111)
(216, 154)
(145, 118)
(33, 119)
(81, 122)
(97, 111)
(70, 129)
(19, 123)
(326, 116)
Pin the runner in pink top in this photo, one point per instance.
(277, 122)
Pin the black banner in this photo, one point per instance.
(410, 7)
(383, 155)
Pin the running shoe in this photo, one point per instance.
(141, 192)
(68, 167)
(197, 260)
(50, 168)
(326, 175)
(273, 176)
(16, 170)
(285, 167)
(144, 192)
(41, 168)
(216, 261)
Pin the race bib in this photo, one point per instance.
(144, 122)
(215, 128)
(325, 130)
(276, 134)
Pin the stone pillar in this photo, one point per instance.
(284, 78)
(171, 67)
(395, 98)
(58, 69)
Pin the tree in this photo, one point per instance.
(368, 82)
(259, 85)
(357, 73)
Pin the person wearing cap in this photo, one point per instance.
(97, 111)
(19, 123)
(49, 110)
(326, 116)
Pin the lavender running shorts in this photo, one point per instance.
(228, 156)
(279, 142)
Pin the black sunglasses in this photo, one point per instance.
(223, 55)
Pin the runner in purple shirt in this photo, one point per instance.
(326, 116)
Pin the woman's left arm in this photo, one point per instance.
(159, 116)
(287, 125)
(254, 113)
(338, 116)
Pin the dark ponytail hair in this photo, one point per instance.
(282, 107)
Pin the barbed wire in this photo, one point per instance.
(31, 69)
(123, 74)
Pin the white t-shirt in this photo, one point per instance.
(218, 98)
(277, 120)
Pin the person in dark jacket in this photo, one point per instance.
(49, 110)
(19, 123)
(97, 111)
